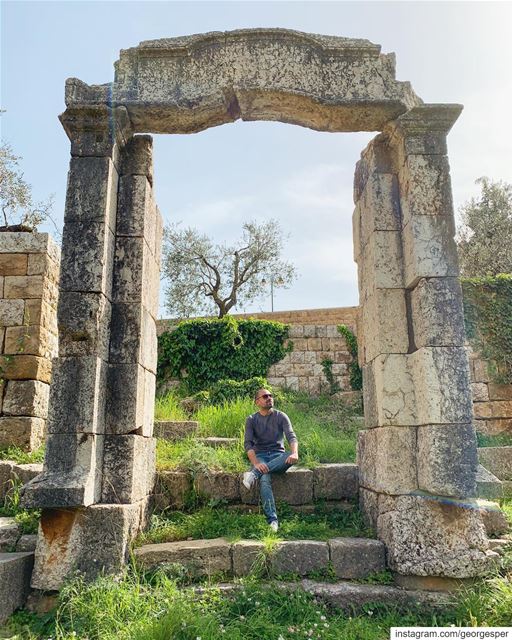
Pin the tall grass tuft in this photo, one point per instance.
(226, 420)
(168, 407)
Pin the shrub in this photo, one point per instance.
(202, 352)
(356, 375)
(227, 390)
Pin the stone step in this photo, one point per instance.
(488, 486)
(494, 519)
(174, 429)
(11, 472)
(9, 534)
(497, 460)
(298, 486)
(219, 442)
(351, 597)
(15, 573)
(348, 558)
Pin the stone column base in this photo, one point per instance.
(87, 541)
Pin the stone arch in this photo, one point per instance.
(417, 454)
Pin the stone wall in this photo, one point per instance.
(492, 402)
(29, 273)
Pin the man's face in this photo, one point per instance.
(264, 399)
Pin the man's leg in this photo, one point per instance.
(276, 462)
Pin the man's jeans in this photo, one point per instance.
(276, 462)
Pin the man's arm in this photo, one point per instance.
(293, 458)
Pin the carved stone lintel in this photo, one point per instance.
(95, 130)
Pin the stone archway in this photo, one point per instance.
(417, 454)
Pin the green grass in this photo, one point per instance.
(215, 522)
(15, 454)
(153, 607)
(168, 407)
(27, 519)
(324, 427)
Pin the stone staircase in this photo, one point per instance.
(497, 461)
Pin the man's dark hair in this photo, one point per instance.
(258, 391)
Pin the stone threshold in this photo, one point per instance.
(351, 597)
(344, 558)
(298, 486)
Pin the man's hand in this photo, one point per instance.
(261, 466)
(293, 458)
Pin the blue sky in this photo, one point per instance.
(217, 179)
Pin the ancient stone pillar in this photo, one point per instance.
(417, 455)
(90, 458)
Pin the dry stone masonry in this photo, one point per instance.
(417, 455)
(29, 274)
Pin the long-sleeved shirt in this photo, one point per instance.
(266, 433)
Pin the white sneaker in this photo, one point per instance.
(248, 479)
(274, 525)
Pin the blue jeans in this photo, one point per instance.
(276, 463)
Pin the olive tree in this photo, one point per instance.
(484, 239)
(206, 278)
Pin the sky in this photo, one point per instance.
(220, 178)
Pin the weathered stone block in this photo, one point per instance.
(77, 397)
(200, 557)
(87, 257)
(91, 194)
(493, 409)
(41, 264)
(296, 331)
(429, 248)
(15, 572)
(131, 266)
(13, 264)
(389, 391)
(437, 317)
(369, 505)
(479, 391)
(136, 215)
(426, 187)
(126, 397)
(384, 323)
(299, 557)
(24, 432)
(294, 487)
(354, 558)
(23, 367)
(335, 481)
(71, 474)
(447, 536)
(248, 556)
(17, 287)
(386, 457)
(500, 391)
(218, 486)
(494, 426)
(494, 519)
(26, 398)
(30, 340)
(27, 242)
(133, 338)
(481, 370)
(137, 157)
(27, 543)
(40, 312)
(23, 473)
(92, 541)
(488, 486)
(128, 468)
(11, 312)
(381, 263)
(84, 323)
(497, 460)
(172, 489)
(441, 377)
(447, 460)
(379, 205)
(9, 533)
(175, 429)
(5, 478)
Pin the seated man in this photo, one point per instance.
(264, 438)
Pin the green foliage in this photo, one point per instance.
(226, 420)
(15, 454)
(334, 387)
(488, 321)
(193, 456)
(202, 352)
(27, 519)
(168, 407)
(226, 390)
(356, 375)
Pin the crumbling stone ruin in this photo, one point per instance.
(417, 453)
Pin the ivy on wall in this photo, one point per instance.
(355, 373)
(488, 321)
(201, 352)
